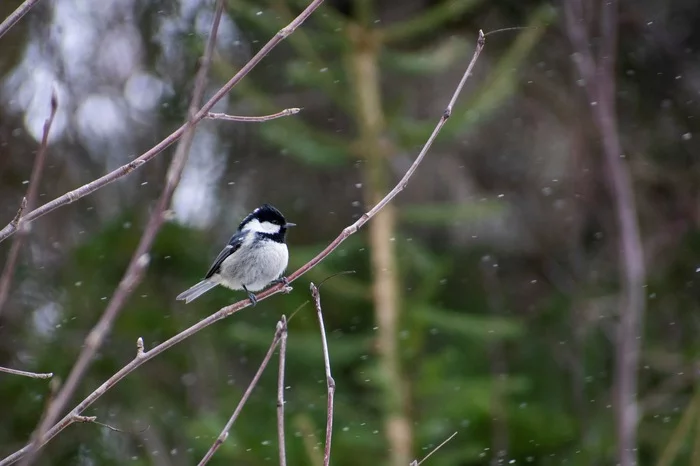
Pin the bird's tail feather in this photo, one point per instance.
(195, 291)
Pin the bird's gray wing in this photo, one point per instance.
(233, 245)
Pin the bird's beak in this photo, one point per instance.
(289, 224)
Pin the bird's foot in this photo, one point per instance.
(285, 282)
(282, 280)
(251, 296)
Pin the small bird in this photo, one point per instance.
(255, 256)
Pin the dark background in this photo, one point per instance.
(505, 242)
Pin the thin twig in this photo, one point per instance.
(280, 394)
(33, 375)
(228, 311)
(517, 28)
(418, 463)
(330, 382)
(93, 420)
(139, 260)
(279, 333)
(16, 15)
(28, 203)
(124, 170)
(599, 80)
(253, 119)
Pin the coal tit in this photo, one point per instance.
(255, 256)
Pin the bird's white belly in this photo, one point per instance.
(253, 266)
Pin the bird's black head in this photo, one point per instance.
(267, 221)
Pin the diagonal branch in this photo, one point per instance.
(143, 356)
(16, 15)
(139, 261)
(33, 375)
(280, 335)
(444, 442)
(600, 86)
(330, 382)
(28, 203)
(124, 170)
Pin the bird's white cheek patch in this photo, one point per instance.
(264, 227)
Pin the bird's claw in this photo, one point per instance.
(282, 280)
(253, 299)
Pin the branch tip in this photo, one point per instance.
(252, 119)
(32, 375)
(418, 463)
(54, 101)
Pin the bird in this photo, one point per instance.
(256, 256)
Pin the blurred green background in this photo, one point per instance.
(485, 299)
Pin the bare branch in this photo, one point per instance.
(234, 308)
(124, 170)
(600, 87)
(253, 119)
(279, 333)
(140, 259)
(280, 393)
(16, 15)
(28, 203)
(330, 382)
(33, 375)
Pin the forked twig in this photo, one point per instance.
(16, 15)
(253, 119)
(227, 311)
(279, 333)
(28, 203)
(330, 382)
(139, 260)
(124, 170)
(418, 463)
(33, 375)
(280, 394)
